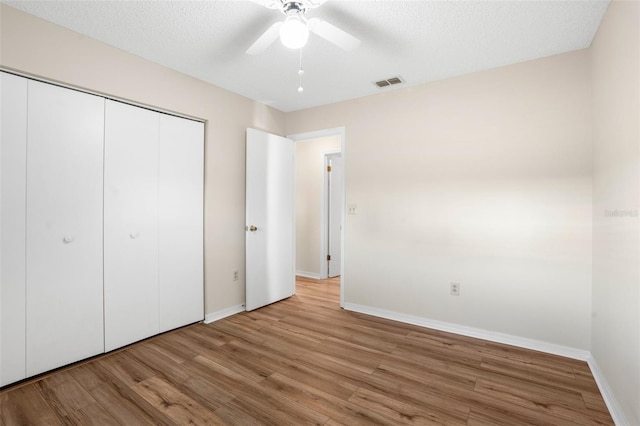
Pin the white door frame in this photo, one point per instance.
(325, 222)
(336, 131)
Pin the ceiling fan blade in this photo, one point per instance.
(311, 4)
(333, 34)
(271, 4)
(265, 40)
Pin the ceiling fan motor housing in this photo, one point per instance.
(292, 8)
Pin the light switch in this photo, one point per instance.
(352, 209)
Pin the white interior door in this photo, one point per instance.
(13, 158)
(335, 213)
(64, 227)
(130, 224)
(181, 183)
(270, 206)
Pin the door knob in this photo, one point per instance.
(134, 235)
(253, 228)
(68, 239)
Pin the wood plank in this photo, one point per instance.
(521, 370)
(64, 396)
(295, 332)
(124, 367)
(594, 401)
(174, 404)
(320, 378)
(86, 376)
(92, 415)
(175, 347)
(532, 392)
(126, 406)
(537, 401)
(413, 392)
(265, 413)
(234, 416)
(205, 392)
(244, 367)
(352, 353)
(256, 401)
(335, 408)
(237, 331)
(488, 416)
(159, 363)
(26, 406)
(401, 412)
(204, 332)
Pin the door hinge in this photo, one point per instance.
(328, 169)
(328, 257)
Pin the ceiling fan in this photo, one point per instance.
(294, 30)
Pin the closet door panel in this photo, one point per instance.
(181, 222)
(13, 158)
(64, 320)
(130, 224)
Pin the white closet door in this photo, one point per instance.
(130, 224)
(64, 227)
(181, 222)
(13, 158)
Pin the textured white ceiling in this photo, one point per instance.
(419, 40)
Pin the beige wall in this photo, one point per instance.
(483, 179)
(615, 64)
(309, 188)
(31, 45)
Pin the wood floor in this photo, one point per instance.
(306, 361)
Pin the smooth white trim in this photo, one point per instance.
(325, 214)
(223, 313)
(492, 336)
(309, 275)
(324, 219)
(331, 132)
(97, 93)
(343, 151)
(317, 134)
(607, 394)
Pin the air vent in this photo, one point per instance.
(389, 81)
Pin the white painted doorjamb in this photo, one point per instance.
(319, 134)
(324, 219)
(325, 215)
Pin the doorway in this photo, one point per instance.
(319, 233)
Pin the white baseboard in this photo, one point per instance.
(215, 316)
(492, 336)
(309, 275)
(607, 394)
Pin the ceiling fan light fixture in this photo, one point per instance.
(294, 33)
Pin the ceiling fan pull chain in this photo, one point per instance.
(300, 73)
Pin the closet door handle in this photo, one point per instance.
(68, 239)
(134, 235)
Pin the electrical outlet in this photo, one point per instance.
(454, 289)
(236, 275)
